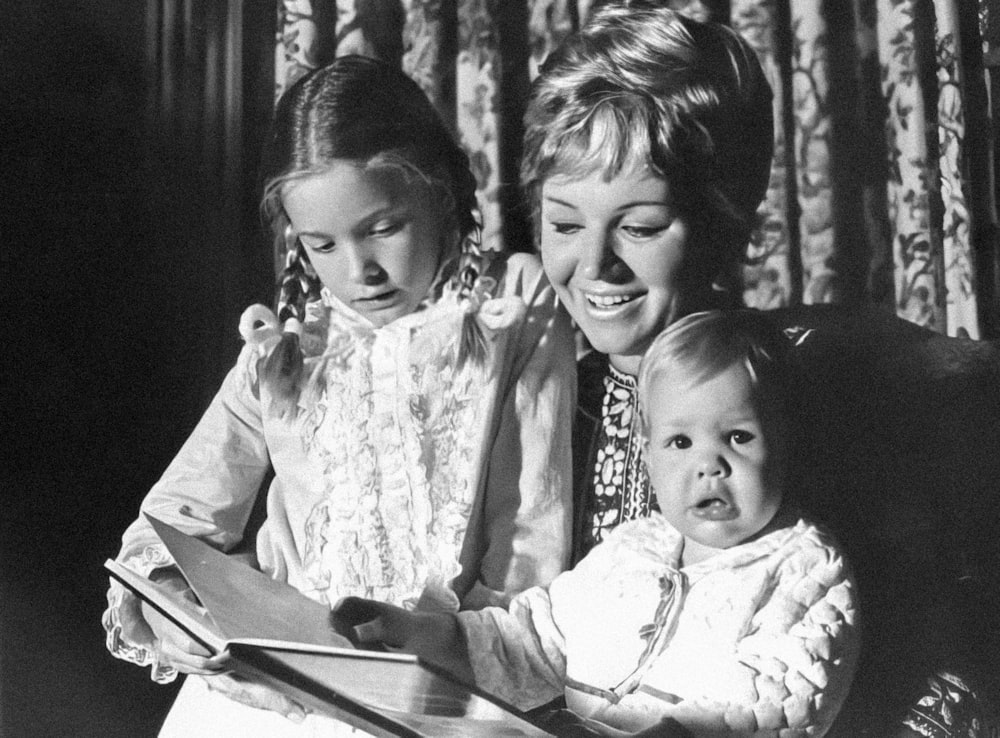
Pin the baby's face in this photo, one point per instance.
(714, 461)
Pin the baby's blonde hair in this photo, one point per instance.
(702, 345)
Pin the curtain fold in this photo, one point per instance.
(882, 186)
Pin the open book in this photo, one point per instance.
(278, 636)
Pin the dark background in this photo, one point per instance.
(127, 255)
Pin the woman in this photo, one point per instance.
(647, 151)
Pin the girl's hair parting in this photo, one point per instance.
(369, 112)
(702, 345)
(642, 86)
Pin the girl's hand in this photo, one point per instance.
(434, 636)
(173, 645)
(256, 695)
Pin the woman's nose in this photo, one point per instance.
(600, 262)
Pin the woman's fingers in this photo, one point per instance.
(361, 621)
(370, 632)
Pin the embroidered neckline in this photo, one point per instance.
(620, 488)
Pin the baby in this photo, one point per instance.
(726, 614)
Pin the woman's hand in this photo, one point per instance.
(434, 636)
(173, 645)
(256, 695)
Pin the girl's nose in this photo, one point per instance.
(363, 269)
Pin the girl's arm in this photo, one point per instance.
(208, 490)
(528, 500)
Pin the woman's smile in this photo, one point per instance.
(614, 251)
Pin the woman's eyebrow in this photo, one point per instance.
(557, 201)
(623, 206)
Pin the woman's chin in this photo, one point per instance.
(616, 342)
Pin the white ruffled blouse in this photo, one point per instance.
(401, 477)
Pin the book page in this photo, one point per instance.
(244, 602)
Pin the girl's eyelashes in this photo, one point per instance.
(382, 229)
(320, 246)
(385, 228)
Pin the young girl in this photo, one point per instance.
(412, 397)
(727, 614)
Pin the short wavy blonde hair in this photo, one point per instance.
(641, 86)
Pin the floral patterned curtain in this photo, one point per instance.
(882, 186)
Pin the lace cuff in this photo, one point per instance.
(128, 635)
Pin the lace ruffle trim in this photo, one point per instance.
(123, 621)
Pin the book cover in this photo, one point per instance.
(278, 636)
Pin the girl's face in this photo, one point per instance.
(714, 460)
(614, 251)
(373, 237)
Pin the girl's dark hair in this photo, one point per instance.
(642, 86)
(369, 112)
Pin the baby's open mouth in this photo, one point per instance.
(715, 508)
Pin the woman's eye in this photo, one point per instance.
(642, 231)
(678, 442)
(739, 437)
(565, 229)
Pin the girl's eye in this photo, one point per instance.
(320, 247)
(679, 442)
(565, 229)
(381, 230)
(739, 437)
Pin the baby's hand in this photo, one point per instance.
(434, 636)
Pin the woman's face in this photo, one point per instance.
(373, 237)
(615, 251)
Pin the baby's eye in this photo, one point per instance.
(739, 437)
(565, 229)
(679, 442)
